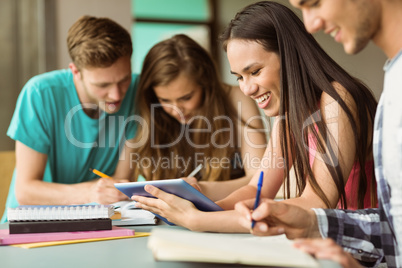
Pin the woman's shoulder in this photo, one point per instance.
(326, 99)
(330, 107)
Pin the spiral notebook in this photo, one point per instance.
(49, 213)
(43, 219)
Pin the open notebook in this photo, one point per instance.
(182, 245)
(129, 214)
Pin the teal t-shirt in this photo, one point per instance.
(49, 118)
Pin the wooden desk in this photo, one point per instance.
(129, 252)
(7, 164)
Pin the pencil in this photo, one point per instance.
(257, 197)
(100, 174)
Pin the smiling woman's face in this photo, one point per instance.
(257, 71)
(181, 98)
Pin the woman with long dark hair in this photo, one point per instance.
(323, 121)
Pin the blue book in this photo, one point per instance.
(177, 187)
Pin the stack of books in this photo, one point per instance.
(45, 219)
(34, 240)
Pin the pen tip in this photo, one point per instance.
(90, 169)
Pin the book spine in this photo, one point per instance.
(24, 227)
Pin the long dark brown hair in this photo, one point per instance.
(306, 72)
(164, 63)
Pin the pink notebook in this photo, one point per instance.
(8, 239)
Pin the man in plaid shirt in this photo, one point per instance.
(373, 235)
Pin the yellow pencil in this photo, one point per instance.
(100, 174)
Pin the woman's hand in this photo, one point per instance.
(327, 249)
(175, 209)
(193, 182)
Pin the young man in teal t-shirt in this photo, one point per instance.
(68, 121)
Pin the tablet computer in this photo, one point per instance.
(177, 187)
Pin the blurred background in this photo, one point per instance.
(33, 39)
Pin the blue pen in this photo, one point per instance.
(257, 197)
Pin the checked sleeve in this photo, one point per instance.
(359, 232)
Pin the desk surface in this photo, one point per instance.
(129, 252)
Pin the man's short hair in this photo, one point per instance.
(97, 42)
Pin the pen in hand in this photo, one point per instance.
(100, 174)
(257, 197)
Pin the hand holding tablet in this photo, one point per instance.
(177, 187)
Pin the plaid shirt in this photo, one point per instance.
(370, 235)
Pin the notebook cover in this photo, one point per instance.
(67, 242)
(24, 227)
(8, 239)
